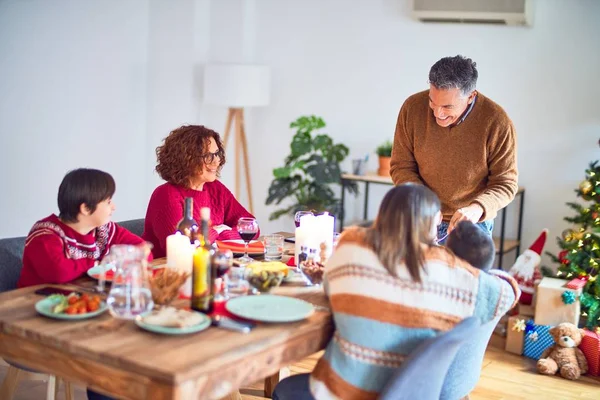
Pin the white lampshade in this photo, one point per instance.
(237, 85)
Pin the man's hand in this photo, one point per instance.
(470, 213)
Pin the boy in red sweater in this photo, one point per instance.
(62, 248)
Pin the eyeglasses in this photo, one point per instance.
(208, 158)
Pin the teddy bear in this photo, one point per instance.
(564, 356)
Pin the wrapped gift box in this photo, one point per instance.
(576, 283)
(526, 310)
(590, 345)
(550, 309)
(537, 339)
(515, 333)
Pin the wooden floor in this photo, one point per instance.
(504, 376)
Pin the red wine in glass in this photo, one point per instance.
(246, 235)
(222, 268)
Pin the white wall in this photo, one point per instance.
(354, 64)
(73, 94)
(77, 71)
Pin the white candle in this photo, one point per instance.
(325, 226)
(179, 252)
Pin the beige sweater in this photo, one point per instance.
(473, 162)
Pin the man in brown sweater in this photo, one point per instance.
(459, 143)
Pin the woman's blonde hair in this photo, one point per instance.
(404, 223)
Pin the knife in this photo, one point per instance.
(221, 321)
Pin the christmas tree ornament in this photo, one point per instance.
(567, 235)
(526, 270)
(586, 187)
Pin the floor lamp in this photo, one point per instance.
(237, 86)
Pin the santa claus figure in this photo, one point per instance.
(526, 269)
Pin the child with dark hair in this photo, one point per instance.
(472, 244)
(62, 248)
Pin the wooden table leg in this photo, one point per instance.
(273, 380)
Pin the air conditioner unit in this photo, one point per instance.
(504, 12)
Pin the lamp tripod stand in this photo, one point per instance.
(235, 117)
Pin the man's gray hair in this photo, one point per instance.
(454, 73)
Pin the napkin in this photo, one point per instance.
(253, 247)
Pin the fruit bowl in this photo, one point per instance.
(264, 276)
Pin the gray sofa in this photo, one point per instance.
(11, 254)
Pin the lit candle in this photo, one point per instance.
(179, 252)
(180, 255)
(325, 225)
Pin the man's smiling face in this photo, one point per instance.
(448, 105)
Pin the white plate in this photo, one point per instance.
(166, 330)
(270, 308)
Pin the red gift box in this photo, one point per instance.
(590, 345)
(576, 283)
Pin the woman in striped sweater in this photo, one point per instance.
(391, 288)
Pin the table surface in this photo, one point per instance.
(116, 357)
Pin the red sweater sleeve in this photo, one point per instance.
(233, 212)
(123, 236)
(163, 214)
(44, 258)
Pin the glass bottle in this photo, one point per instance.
(188, 225)
(203, 276)
(302, 256)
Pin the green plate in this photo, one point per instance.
(45, 306)
(165, 330)
(96, 270)
(270, 308)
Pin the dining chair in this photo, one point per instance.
(11, 262)
(16, 373)
(465, 370)
(422, 374)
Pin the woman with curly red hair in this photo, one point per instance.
(190, 160)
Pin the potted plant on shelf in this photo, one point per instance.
(311, 170)
(384, 151)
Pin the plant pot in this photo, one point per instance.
(384, 166)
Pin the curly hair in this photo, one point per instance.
(181, 156)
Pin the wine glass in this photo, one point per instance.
(300, 214)
(247, 228)
(223, 260)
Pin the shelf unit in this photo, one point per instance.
(503, 245)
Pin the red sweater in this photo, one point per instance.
(55, 253)
(165, 210)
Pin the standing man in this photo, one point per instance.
(458, 143)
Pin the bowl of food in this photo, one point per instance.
(165, 284)
(312, 272)
(264, 276)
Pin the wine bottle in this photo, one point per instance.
(188, 225)
(203, 276)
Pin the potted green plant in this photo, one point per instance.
(311, 170)
(384, 151)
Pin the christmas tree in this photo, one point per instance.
(580, 255)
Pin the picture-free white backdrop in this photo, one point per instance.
(90, 84)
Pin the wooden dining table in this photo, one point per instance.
(116, 357)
